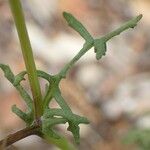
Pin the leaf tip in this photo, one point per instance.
(98, 57)
(136, 20)
(13, 107)
(66, 15)
(139, 17)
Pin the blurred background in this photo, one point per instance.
(113, 93)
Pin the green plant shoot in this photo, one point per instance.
(38, 111)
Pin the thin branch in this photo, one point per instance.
(129, 24)
(69, 65)
(21, 134)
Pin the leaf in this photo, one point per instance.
(74, 122)
(7, 72)
(127, 25)
(23, 93)
(100, 44)
(19, 77)
(72, 119)
(100, 48)
(21, 114)
(75, 129)
(47, 125)
(60, 100)
(77, 26)
(25, 96)
(44, 75)
(15, 80)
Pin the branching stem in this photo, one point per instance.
(21, 134)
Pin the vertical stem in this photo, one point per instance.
(18, 16)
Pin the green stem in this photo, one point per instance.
(69, 65)
(130, 24)
(48, 97)
(17, 12)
